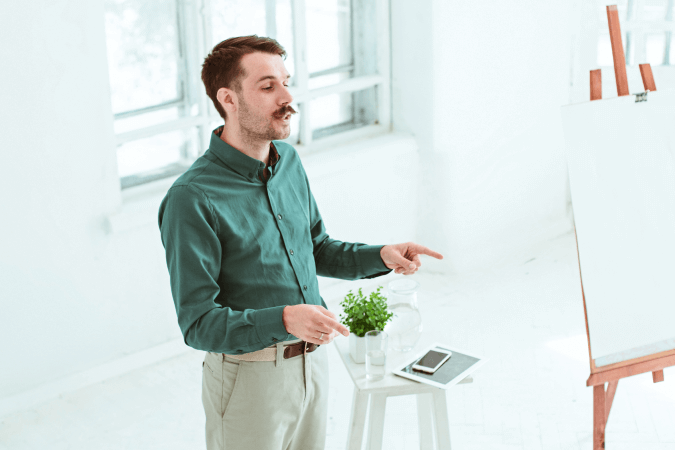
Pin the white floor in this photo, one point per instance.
(527, 318)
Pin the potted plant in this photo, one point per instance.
(362, 315)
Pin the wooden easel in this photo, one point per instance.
(655, 363)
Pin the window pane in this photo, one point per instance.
(230, 18)
(621, 11)
(154, 153)
(331, 110)
(604, 51)
(341, 112)
(630, 49)
(654, 48)
(328, 34)
(327, 80)
(604, 55)
(143, 53)
(146, 120)
(654, 9)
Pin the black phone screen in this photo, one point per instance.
(432, 359)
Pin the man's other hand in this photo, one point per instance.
(404, 258)
(308, 322)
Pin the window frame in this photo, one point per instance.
(195, 37)
(593, 27)
(635, 29)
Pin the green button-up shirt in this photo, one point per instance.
(241, 246)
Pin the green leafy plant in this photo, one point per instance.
(362, 315)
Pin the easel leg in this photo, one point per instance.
(610, 394)
(599, 416)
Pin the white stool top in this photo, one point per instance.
(390, 384)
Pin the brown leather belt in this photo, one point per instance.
(270, 354)
(302, 347)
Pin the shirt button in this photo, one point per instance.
(279, 216)
(239, 351)
(291, 251)
(250, 174)
(305, 287)
(274, 339)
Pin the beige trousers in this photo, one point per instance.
(281, 404)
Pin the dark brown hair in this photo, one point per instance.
(222, 68)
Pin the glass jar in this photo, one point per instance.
(405, 327)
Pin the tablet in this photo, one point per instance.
(455, 369)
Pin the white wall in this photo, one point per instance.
(60, 299)
(83, 280)
(480, 85)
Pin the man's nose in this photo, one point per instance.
(286, 96)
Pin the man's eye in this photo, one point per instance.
(269, 87)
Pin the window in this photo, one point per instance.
(647, 28)
(337, 54)
(647, 32)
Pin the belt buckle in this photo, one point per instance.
(307, 346)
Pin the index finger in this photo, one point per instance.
(326, 312)
(427, 251)
(336, 326)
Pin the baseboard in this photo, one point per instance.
(51, 390)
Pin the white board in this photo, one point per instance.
(620, 156)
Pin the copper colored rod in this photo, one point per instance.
(595, 84)
(647, 76)
(618, 51)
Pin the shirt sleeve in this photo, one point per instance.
(189, 231)
(341, 259)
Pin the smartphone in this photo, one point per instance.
(431, 361)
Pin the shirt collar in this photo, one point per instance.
(241, 163)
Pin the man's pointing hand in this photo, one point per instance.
(404, 258)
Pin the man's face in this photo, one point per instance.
(264, 112)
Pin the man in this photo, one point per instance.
(244, 244)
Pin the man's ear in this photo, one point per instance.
(228, 99)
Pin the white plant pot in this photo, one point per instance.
(358, 348)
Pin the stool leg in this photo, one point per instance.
(377, 421)
(355, 431)
(441, 420)
(425, 429)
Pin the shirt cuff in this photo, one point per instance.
(270, 325)
(369, 256)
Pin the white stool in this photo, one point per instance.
(431, 402)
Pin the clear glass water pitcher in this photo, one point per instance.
(405, 327)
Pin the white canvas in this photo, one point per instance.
(620, 156)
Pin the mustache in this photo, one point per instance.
(283, 111)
